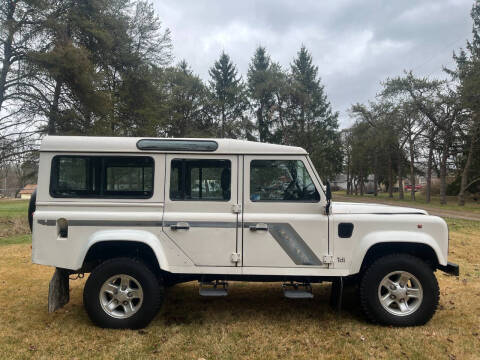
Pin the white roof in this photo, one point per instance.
(129, 144)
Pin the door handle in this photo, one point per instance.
(259, 227)
(180, 226)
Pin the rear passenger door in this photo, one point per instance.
(201, 194)
(284, 224)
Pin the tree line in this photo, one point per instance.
(418, 125)
(105, 67)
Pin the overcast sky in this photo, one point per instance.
(356, 44)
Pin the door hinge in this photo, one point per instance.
(327, 259)
(236, 257)
(237, 208)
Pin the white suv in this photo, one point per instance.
(142, 214)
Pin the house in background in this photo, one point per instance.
(27, 191)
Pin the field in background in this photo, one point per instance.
(253, 322)
(13, 222)
(471, 207)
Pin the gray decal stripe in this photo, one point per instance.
(209, 224)
(292, 243)
(205, 224)
(47, 222)
(102, 223)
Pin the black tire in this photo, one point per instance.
(153, 294)
(31, 208)
(374, 274)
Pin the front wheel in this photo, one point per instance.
(399, 290)
(122, 293)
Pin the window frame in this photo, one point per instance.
(281, 201)
(183, 160)
(100, 178)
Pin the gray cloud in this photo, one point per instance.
(356, 44)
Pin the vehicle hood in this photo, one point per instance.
(368, 208)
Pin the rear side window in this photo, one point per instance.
(102, 177)
(195, 179)
(281, 180)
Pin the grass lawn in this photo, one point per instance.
(470, 206)
(13, 222)
(253, 322)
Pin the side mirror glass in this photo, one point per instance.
(328, 192)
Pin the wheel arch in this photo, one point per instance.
(108, 244)
(418, 249)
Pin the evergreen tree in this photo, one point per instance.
(186, 104)
(228, 99)
(261, 86)
(312, 123)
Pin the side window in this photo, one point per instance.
(281, 180)
(128, 176)
(206, 180)
(102, 177)
(73, 177)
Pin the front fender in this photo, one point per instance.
(382, 237)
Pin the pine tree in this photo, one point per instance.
(261, 86)
(186, 102)
(229, 101)
(312, 123)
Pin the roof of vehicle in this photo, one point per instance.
(129, 144)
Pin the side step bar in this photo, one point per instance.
(213, 288)
(294, 290)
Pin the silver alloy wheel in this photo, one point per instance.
(121, 296)
(400, 293)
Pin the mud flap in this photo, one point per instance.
(58, 290)
(336, 294)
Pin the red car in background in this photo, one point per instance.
(417, 187)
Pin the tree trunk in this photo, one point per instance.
(375, 174)
(53, 116)
(348, 175)
(428, 190)
(466, 170)
(412, 170)
(443, 173)
(222, 129)
(390, 177)
(261, 125)
(362, 184)
(400, 177)
(7, 51)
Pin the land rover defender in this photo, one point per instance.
(142, 214)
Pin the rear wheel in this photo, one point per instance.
(399, 290)
(122, 293)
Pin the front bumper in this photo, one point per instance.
(450, 268)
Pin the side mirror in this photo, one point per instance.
(328, 192)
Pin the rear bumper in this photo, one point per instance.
(450, 268)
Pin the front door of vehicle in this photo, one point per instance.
(201, 195)
(283, 221)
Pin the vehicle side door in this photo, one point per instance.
(201, 194)
(284, 223)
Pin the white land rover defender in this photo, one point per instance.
(141, 214)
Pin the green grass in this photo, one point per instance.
(470, 206)
(13, 222)
(16, 239)
(13, 208)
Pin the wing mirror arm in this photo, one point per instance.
(328, 196)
